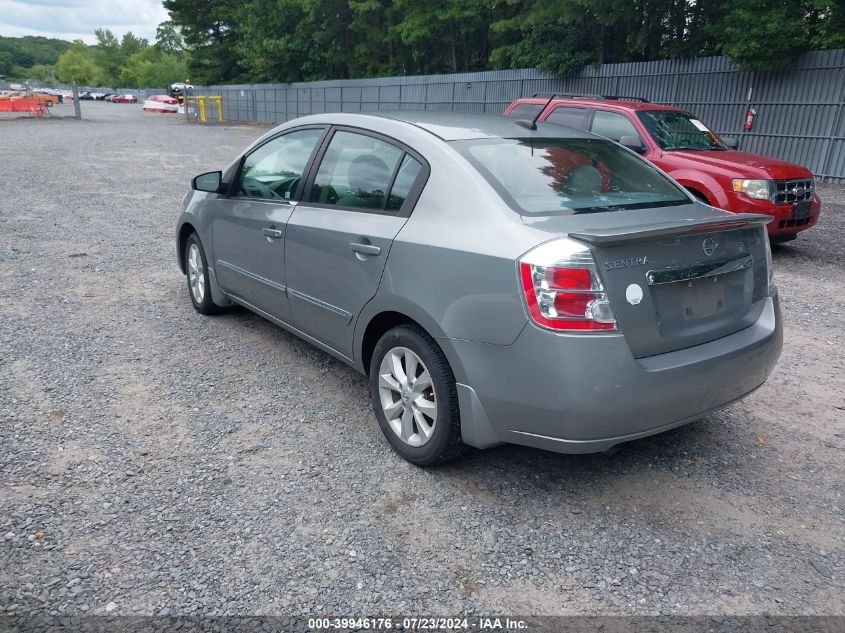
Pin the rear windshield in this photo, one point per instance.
(567, 176)
(679, 131)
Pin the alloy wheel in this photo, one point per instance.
(407, 397)
(196, 273)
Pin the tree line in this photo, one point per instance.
(20, 56)
(128, 62)
(227, 41)
(292, 40)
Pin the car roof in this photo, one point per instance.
(598, 103)
(453, 126)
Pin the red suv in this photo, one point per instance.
(685, 148)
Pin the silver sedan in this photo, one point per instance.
(497, 280)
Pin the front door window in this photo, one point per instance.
(273, 171)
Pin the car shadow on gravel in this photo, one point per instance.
(664, 448)
(696, 438)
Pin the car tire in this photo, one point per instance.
(404, 408)
(196, 272)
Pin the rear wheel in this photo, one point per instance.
(414, 397)
(196, 270)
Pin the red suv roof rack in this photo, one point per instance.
(589, 96)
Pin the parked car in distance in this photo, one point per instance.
(685, 148)
(124, 99)
(86, 96)
(49, 97)
(161, 104)
(179, 91)
(496, 283)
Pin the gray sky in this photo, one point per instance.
(77, 19)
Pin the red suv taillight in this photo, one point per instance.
(562, 288)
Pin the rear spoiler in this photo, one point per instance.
(626, 234)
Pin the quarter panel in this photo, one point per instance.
(456, 256)
(407, 306)
(471, 295)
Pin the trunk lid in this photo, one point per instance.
(679, 282)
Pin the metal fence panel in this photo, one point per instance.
(800, 110)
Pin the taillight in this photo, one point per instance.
(562, 288)
(770, 271)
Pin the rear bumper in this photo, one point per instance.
(583, 394)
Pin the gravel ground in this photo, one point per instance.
(155, 461)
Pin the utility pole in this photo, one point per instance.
(76, 106)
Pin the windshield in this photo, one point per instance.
(569, 176)
(679, 130)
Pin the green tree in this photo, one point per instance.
(827, 26)
(376, 48)
(275, 45)
(329, 22)
(78, 65)
(112, 53)
(548, 36)
(5, 63)
(44, 73)
(752, 32)
(108, 55)
(288, 40)
(153, 68)
(131, 44)
(134, 68)
(166, 69)
(212, 32)
(445, 35)
(19, 54)
(168, 38)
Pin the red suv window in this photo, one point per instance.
(573, 117)
(612, 125)
(525, 111)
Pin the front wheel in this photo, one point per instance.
(196, 270)
(414, 397)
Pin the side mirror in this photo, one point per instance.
(209, 181)
(633, 143)
(731, 141)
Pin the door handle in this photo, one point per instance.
(365, 249)
(274, 233)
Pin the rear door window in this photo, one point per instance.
(356, 171)
(407, 175)
(612, 125)
(571, 117)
